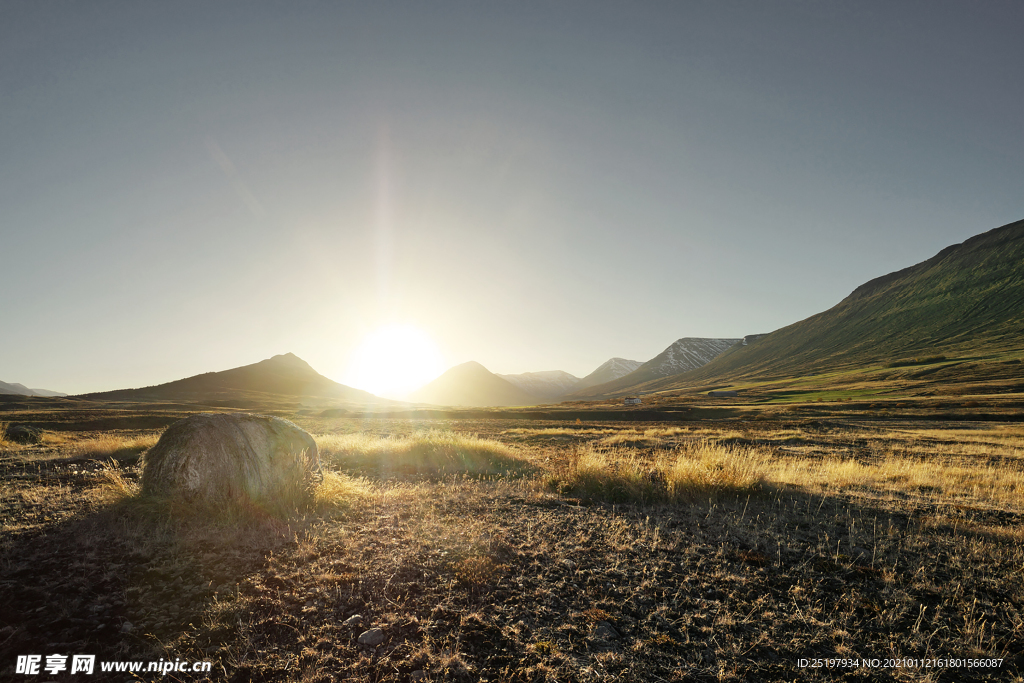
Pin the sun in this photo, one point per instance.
(394, 360)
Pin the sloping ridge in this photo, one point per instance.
(608, 371)
(283, 375)
(547, 384)
(18, 389)
(968, 298)
(682, 355)
(471, 384)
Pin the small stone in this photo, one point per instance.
(354, 620)
(127, 627)
(418, 675)
(605, 631)
(373, 637)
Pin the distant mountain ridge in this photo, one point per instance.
(548, 384)
(282, 375)
(608, 371)
(21, 390)
(682, 355)
(471, 384)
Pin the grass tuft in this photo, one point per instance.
(338, 491)
(114, 446)
(429, 453)
(113, 486)
(694, 471)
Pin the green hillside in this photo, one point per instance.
(967, 300)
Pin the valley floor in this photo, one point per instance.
(866, 551)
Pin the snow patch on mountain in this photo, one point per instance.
(617, 367)
(688, 353)
(608, 371)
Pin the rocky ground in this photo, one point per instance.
(502, 580)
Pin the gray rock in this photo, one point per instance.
(24, 434)
(605, 631)
(220, 460)
(127, 627)
(354, 620)
(372, 638)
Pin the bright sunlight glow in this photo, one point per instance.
(393, 361)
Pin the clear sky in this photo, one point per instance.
(188, 187)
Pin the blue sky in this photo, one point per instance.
(187, 187)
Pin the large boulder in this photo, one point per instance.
(24, 434)
(237, 459)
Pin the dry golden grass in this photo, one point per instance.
(949, 480)
(114, 485)
(986, 469)
(338, 492)
(59, 439)
(694, 471)
(113, 445)
(498, 578)
(557, 431)
(429, 453)
(74, 444)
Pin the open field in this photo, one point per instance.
(518, 550)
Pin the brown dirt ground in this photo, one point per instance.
(500, 580)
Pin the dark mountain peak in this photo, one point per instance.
(471, 384)
(289, 360)
(282, 375)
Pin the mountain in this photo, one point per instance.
(47, 392)
(609, 370)
(684, 354)
(285, 375)
(548, 385)
(966, 301)
(471, 384)
(22, 390)
(15, 388)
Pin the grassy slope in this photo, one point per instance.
(966, 300)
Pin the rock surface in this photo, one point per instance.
(373, 637)
(220, 459)
(24, 434)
